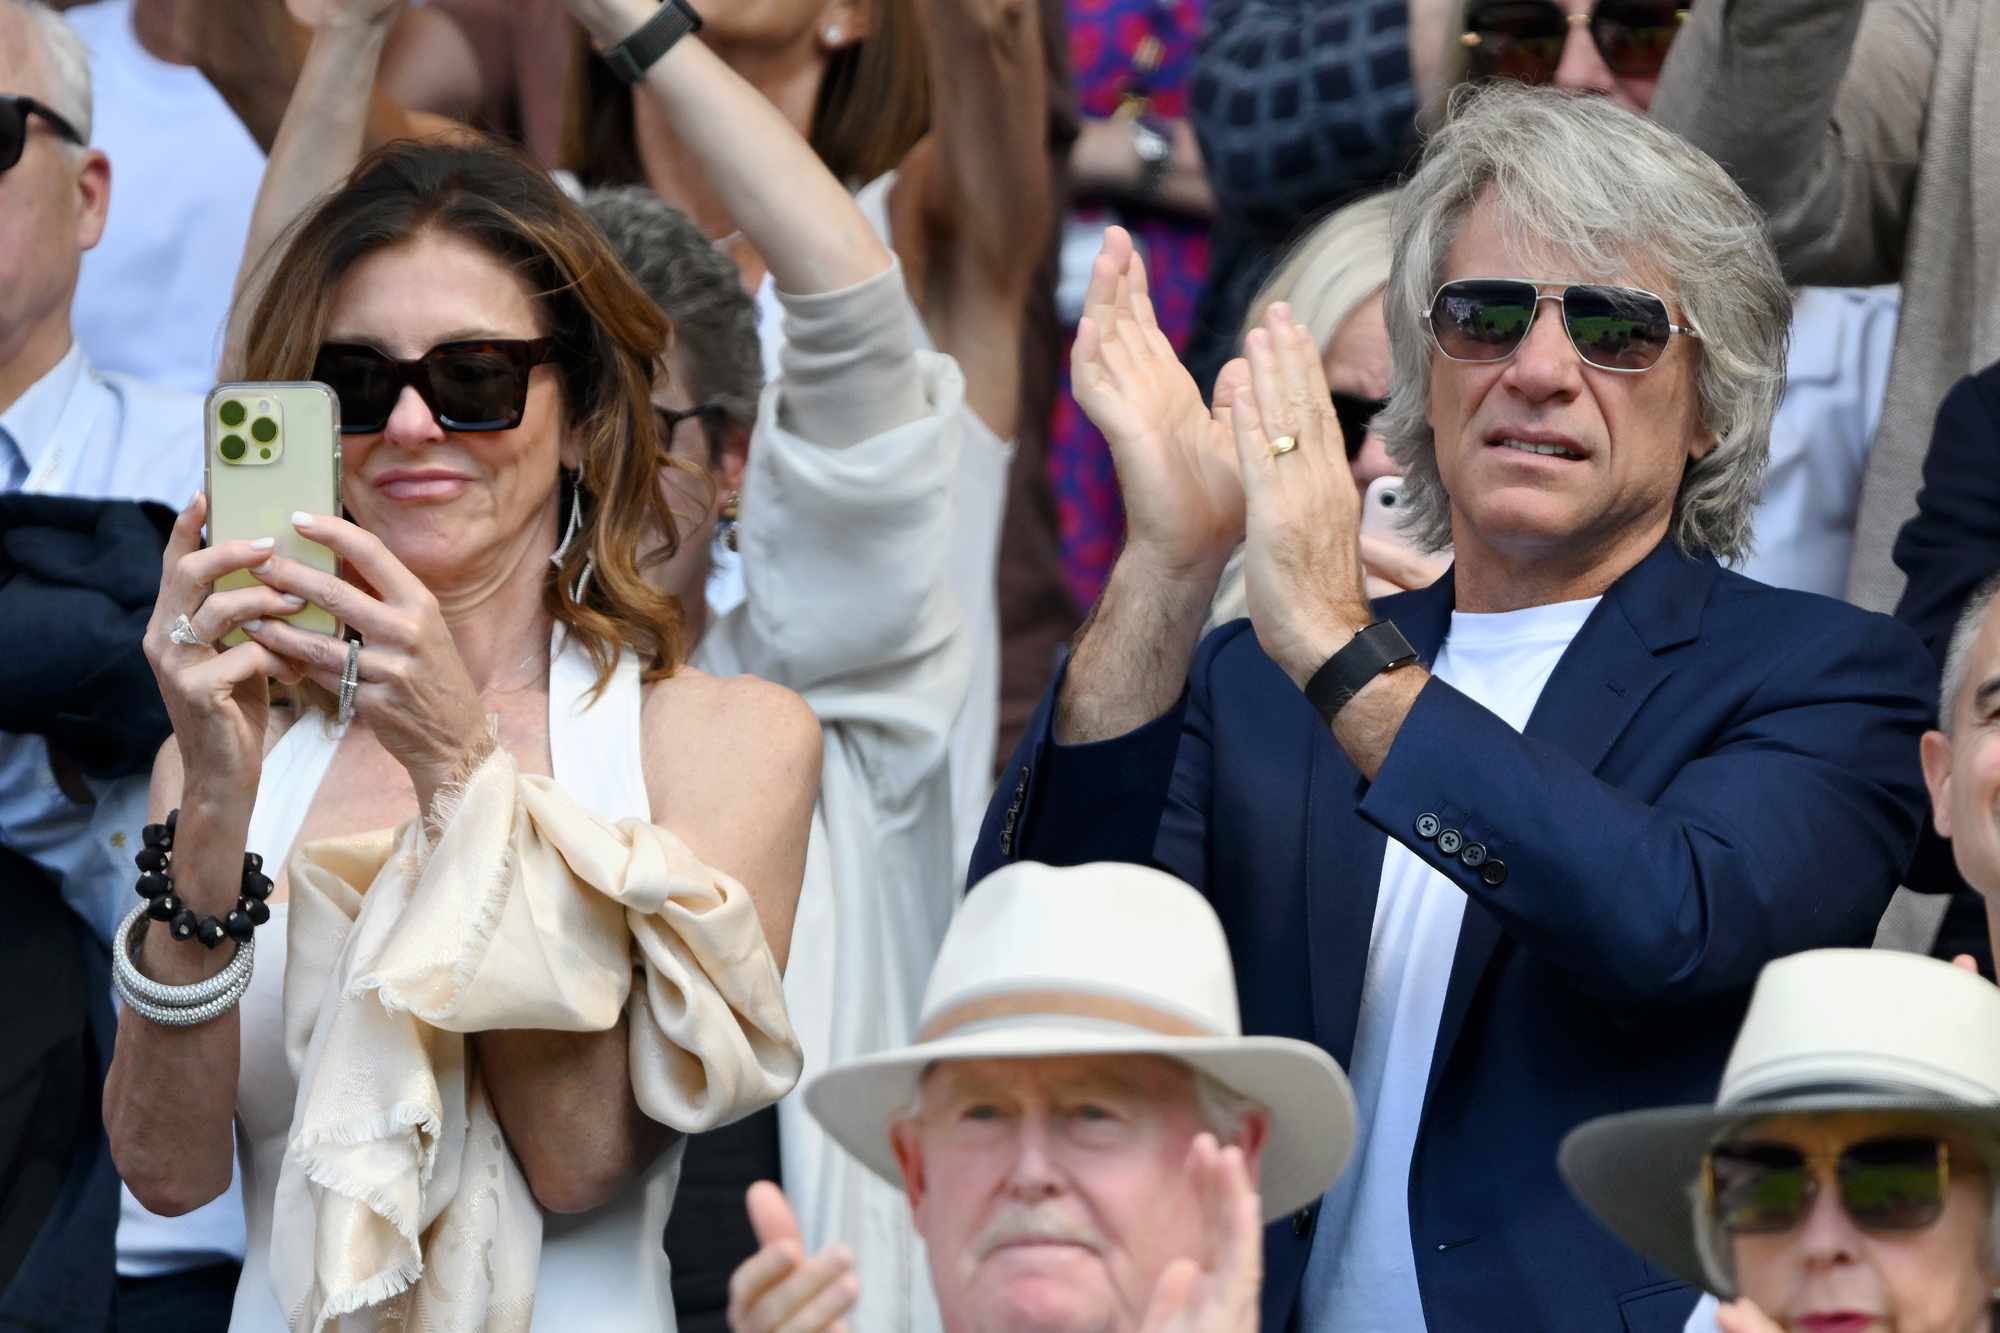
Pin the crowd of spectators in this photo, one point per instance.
(1130, 666)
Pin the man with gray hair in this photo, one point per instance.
(1962, 756)
(1513, 847)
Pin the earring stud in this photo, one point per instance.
(834, 34)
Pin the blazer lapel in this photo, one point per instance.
(1607, 672)
(1343, 852)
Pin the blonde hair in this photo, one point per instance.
(1330, 274)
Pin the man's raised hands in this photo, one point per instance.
(1176, 460)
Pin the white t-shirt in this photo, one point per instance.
(1361, 1276)
(154, 293)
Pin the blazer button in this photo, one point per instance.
(1428, 826)
(1494, 873)
(1473, 854)
(1450, 840)
(1302, 1222)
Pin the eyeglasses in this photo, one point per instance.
(1612, 328)
(1886, 1184)
(1355, 415)
(1524, 39)
(468, 386)
(710, 415)
(14, 113)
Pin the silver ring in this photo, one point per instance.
(183, 633)
(350, 681)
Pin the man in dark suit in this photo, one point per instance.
(1512, 847)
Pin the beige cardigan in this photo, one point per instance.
(1889, 173)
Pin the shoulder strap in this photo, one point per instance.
(595, 746)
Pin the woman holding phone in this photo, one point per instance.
(532, 932)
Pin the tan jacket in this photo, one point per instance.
(1889, 173)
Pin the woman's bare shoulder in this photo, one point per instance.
(727, 733)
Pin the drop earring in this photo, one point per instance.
(575, 518)
(727, 516)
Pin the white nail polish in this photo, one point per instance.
(263, 543)
(264, 568)
(253, 625)
(301, 519)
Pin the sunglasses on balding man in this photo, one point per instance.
(1524, 39)
(14, 114)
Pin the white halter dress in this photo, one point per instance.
(604, 1270)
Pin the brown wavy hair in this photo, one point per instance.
(873, 106)
(609, 338)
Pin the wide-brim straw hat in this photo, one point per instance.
(1105, 959)
(1828, 1031)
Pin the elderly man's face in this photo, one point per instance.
(1827, 1275)
(52, 206)
(1962, 768)
(1052, 1192)
(1632, 435)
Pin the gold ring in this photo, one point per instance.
(1284, 444)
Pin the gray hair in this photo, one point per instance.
(65, 64)
(1342, 262)
(714, 319)
(1610, 192)
(1958, 655)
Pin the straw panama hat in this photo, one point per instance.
(1829, 1030)
(1105, 959)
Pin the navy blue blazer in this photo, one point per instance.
(1716, 773)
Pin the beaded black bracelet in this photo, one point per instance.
(156, 885)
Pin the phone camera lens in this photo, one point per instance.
(263, 430)
(232, 447)
(232, 414)
(263, 404)
(265, 454)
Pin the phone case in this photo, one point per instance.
(273, 449)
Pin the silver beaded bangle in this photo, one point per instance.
(191, 1016)
(176, 1006)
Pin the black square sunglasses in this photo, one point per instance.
(14, 113)
(1524, 39)
(1885, 1184)
(468, 386)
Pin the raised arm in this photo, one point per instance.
(788, 204)
(318, 142)
(984, 183)
(1817, 107)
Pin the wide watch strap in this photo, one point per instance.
(1381, 647)
(631, 58)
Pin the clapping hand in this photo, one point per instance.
(1302, 564)
(1217, 1291)
(780, 1290)
(1176, 462)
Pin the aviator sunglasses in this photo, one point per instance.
(14, 113)
(1355, 415)
(1886, 1184)
(1524, 39)
(1624, 329)
(468, 386)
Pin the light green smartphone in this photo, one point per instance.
(273, 450)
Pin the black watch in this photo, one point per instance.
(631, 58)
(1381, 647)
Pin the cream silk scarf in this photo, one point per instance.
(399, 1205)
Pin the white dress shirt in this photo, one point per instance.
(1842, 338)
